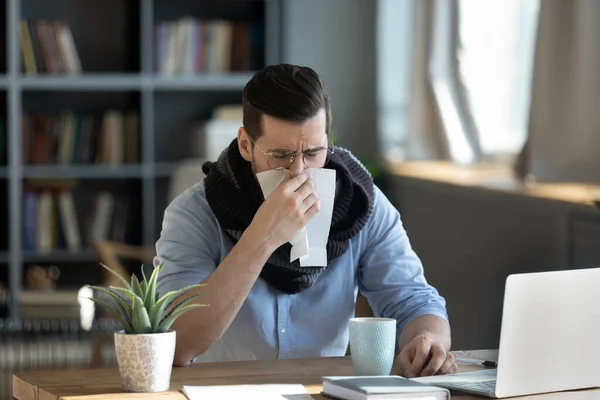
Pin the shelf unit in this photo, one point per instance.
(117, 72)
(118, 82)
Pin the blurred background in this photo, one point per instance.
(477, 118)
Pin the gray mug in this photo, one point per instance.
(372, 345)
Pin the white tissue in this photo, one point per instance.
(300, 248)
(317, 229)
(309, 245)
(269, 180)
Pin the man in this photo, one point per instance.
(224, 233)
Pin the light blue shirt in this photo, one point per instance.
(314, 322)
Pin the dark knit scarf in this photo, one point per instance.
(234, 195)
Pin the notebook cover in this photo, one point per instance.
(370, 385)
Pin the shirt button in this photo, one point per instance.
(282, 330)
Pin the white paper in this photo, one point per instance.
(269, 180)
(250, 392)
(317, 229)
(309, 245)
(299, 246)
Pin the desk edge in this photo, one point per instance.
(23, 390)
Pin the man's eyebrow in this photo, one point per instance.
(293, 151)
(282, 151)
(316, 148)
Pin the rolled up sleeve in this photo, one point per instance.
(391, 275)
(189, 243)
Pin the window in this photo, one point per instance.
(394, 46)
(479, 71)
(495, 59)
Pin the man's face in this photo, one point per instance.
(283, 137)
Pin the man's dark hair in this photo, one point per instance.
(284, 91)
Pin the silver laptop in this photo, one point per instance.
(549, 340)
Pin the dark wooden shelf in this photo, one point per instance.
(60, 256)
(94, 82)
(82, 171)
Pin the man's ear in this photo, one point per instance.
(244, 144)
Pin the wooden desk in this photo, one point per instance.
(92, 384)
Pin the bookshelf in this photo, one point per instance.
(119, 56)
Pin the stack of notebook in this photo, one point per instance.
(380, 387)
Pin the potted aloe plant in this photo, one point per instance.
(145, 347)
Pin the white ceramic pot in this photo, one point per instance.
(145, 361)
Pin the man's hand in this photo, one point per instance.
(424, 356)
(285, 211)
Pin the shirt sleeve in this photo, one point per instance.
(391, 275)
(189, 243)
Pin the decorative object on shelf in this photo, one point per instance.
(145, 347)
(210, 137)
(39, 277)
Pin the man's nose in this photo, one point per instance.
(298, 166)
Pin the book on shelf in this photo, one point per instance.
(192, 46)
(52, 221)
(79, 138)
(48, 47)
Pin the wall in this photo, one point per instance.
(337, 39)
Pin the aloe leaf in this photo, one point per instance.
(137, 288)
(158, 313)
(143, 273)
(115, 273)
(151, 292)
(181, 305)
(144, 281)
(130, 295)
(168, 297)
(122, 306)
(168, 321)
(113, 311)
(161, 305)
(175, 293)
(140, 322)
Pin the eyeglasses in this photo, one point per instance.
(317, 157)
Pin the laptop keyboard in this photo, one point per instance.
(480, 386)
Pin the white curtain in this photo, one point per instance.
(425, 136)
(439, 123)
